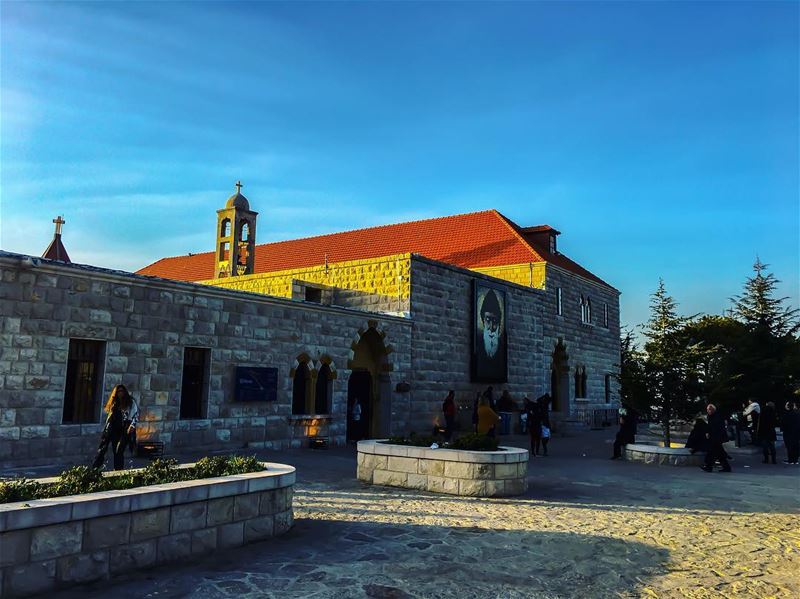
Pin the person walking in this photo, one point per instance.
(487, 419)
(716, 437)
(120, 428)
(505, 408)
(449, 411)
(766, 431)
(790, 425)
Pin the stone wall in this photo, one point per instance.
(454, 472)
(375, 284)
(49, 544)
(592, 345)
(529, 274)
(146, 323)
(441, 310)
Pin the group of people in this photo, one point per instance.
(760, 424)
(488, 414)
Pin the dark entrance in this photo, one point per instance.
(84, 381)
(193, 384)
(359, 388)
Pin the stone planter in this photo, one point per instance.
(664, 456)
(47, 544)
(451, 471)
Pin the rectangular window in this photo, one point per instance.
(225, 250)
(559, 306)
(194, 383)
(314, 295)
(84, 386)
(605, 315)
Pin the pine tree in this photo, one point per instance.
(671, 363)
(760, 310)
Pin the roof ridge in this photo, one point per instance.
(513, 227)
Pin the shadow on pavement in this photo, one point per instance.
(327, 558)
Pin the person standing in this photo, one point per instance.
(449, 411)
(790, 425)
(487, 419)
(505, 407)
(716, 437)
(535, 426)
(766, 431)
(625, 435)
(120, 427)
(475, 407)
(752, 412)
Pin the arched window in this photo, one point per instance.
(225, 228)
(580, 381)
(582, 304)
(244, 234)
(583, 382)
(301, 388)
(588, 310)
(323, 390)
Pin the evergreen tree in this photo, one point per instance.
(671, 365)
(760, 310)
(632, 379)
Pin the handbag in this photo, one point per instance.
(545, 432)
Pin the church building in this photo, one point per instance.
(338, 337)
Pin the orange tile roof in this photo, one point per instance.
(475, 240)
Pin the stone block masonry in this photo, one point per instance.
(454, 472)
(144, 325)
(50, 544)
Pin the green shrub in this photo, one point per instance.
(474, 442)
(470, 442)
(77, 480)
(20, 489)
(82, 479)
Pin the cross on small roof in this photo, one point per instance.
(59, 221)
(239, 187)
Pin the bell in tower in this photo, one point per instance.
(236, 237)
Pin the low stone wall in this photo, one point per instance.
(664, 456)
(48, 544)
(455, 472)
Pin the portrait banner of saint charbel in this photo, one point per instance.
(489, 357)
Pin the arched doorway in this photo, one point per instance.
(369, 384)
(559, 378)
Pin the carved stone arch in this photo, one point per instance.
(303, 358)
(384, 349)
(326, 359)
(369, 383)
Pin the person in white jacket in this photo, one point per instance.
(752, 412)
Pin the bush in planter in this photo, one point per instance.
(470, 442)
(82, 479)
(474, 442)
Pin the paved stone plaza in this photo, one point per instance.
(587, 527)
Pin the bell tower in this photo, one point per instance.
(236, 237)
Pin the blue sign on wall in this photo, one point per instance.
(256, 383)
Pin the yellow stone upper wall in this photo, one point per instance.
(384, 278)
(529, 274)
(387, 276)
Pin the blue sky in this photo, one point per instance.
(660, 138)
